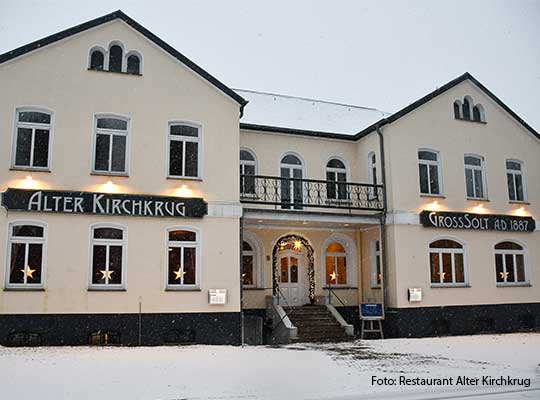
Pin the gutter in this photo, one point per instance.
(384, 257)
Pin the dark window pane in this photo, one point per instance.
(459, 268)
(99, 267)
(192, 159)
(247, 270)
(97, 60)
(112, 123)
(424, 182)
(34, 117)
(427, 155)
(520, 264)
(456, 110)
(102, 153)
(469, 182)
(335, 163)
(330, 186)
(511, 187)
(175, 269)
(41, 147)
(519, 188)
(115, 265)
(119, 153)
(189, 266)
(478, 185)
(24, 144)
(108, 233)
(499, 267)
(246, 156)
(115, 58)
(27, 231)
(508, 246)
(285, 187)
(471, 160)
(184, 130)
(509, 259)
(476, 114)
(434, 267)
(447, 267)
(246, 246)
(342, 187)
(434, 179)
(182, 236)
(133, 65)
(284, 270)
(297, 189)
(16, 265)
(513, 165)
(294, 270)
(290, 159)
(445, 244)
(175, 158)
(466, 109)
(33, 270)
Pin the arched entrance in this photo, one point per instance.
(293, 270)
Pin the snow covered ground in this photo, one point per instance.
(313, 372)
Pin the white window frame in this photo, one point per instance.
(514, 253)
(108, 242)
(473, 168)
(33, 126)
(26, 240)
(350, 258)
(252, 163)
(105, 57)
(124, 59)
(335, 171)
(179, 138)
(514, 172)
(179, 244)
(452, 251)
(375, 254)
(111, 133)
(129, 53)
(429, 163)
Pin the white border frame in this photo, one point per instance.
(198, 260)
(439, 171)
(526, 266)
(105, 57)
(200, 152)
(134, 53)
(483, 165)
(112, 43)
(349, 245)
(466, 276)
(523, 178)
(124, 117)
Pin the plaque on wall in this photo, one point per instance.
(478, 222)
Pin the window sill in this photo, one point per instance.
(376, 287)
(519, 202)
(24, 289)
(113, 72)
(104, 173)
(439, 196)
(470, 120)
(182, 289)
(477, 199)
(184, 178)
(106, 289)
(340, 287)
(521, 284)
(30, 169)
(449, 285)
(255, 288)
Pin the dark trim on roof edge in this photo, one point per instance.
(298, 132)
(135, 25)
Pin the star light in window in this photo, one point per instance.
(105, 274)
(29, 272)
(503, 274)
(333, 276)
(179, 274)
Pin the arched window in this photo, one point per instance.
(184, 150)
(26, 255)
(476, 114)
(248, 264)
(182, 259)
(475, 178)
(111, 144)
(515, 178)
(457, 109)
(447, 263)
(510, 263)
(292, 191)
(466, 108)
(248, 168)
(336, 177)
(336, 264)
(429, 170)
(97, 60)
(115, 58)
(107, 264)
(33, 135)
(133, 64)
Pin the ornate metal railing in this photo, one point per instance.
(297, 193)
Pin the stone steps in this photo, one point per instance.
(316, 324)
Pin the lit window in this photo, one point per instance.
(97, 60)
(336, 178)
(510, 264)
(115, 58)
(516, 180)
(336, 265)
(182, 260)
(184, 150)
(26, 255)
(475, 177)
(32, 139)
(111, 142)
(248, 264)
(107, 258)
(447, 263)
(248, 168)
(429, 167)
(376, 274)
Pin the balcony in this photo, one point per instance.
(297, 194)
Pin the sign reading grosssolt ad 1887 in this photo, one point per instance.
(102, 203)
(480, 222)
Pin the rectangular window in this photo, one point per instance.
(184, 151)
(26, 256)
(111, 145)
(447, 263)
(107, 263)
(429, 172)
(510, 264)
(182, 263)
(32, 140)
(475, 177)
(515, 180)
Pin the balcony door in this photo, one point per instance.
(292, 192)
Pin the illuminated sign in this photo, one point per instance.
(479, 222)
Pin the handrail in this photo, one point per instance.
(311, 180)
(330, 292)
(288, 306)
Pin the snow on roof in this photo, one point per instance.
(277, 110)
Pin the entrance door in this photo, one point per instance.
(291, 190)
(290, 284)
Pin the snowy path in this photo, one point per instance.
(295, 372)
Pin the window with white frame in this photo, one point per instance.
(108, 255)
(376, 274)
(249, 267)
(336, 178)
(510, 264)
(26, 255)
(336, 264)
(447, 263)
(372, 175)
(248, 168)
(475, 177)
(515, 178)
(33, 134)
(184, 150)
(111, 145)
(182, 259)
(429, 170)
(116, 56)
(97, 59)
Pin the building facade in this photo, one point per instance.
(145, 202)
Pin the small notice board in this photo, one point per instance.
(371, 311)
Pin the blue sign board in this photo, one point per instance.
(371, 311)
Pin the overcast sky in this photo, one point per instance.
(382, 54)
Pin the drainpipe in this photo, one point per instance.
(241, 281)
(384, 257)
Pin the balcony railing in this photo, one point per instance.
(298, 194)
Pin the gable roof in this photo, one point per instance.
(138, 27)
(413, 106)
